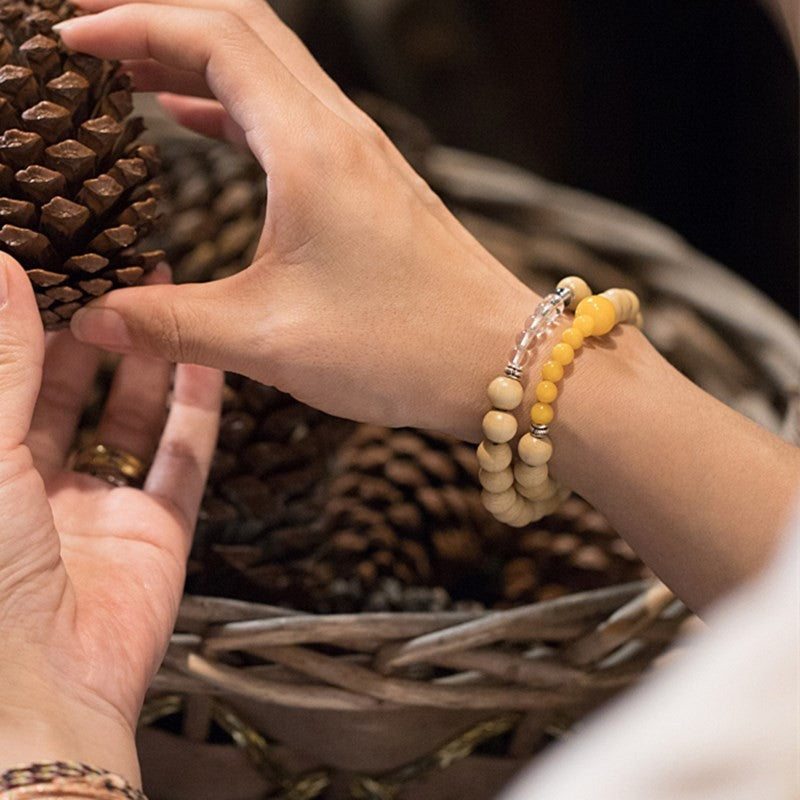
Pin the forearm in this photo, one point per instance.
(700, 492)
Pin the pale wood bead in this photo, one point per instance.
(638, 320)
(580, 289)
(542, 491)
(634, 300)
(542, 508)
(505, 393)
(494, 457)
(499, 426)
(528, 476)
(535, 451)
(621, 303)
(517, 515)
(523, 517)
(498, 502)
(496, 481)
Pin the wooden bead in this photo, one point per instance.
(494, 457)
(498, 502)
(518, 514)
(541, 413)
(527, 476)
(633, 299)
(552, 371)
(499, 426)
(563, 353)
(542, 491)
(534, 451)
(496, 481)
(546, 392)
(505, 393)
(543, 508)
(621, 303)
(580, 289)
(573, 337)
(584, 323)
(602, 312)
(522, 517)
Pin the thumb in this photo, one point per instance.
(21, 353)
(189, 324)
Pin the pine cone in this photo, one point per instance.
(214, 197)
(75, 190)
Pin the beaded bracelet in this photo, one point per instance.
(522, 492)
(67, 779)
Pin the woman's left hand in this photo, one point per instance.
(91, 575)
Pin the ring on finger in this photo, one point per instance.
(114, 466)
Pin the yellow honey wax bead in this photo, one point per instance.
(552, 371)
(573, 337)
(546, 392)
(601, 310)
(541, 414)
(584, 323)
(563, 353)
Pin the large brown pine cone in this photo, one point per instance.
(75, 185)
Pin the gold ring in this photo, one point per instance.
(110, 464)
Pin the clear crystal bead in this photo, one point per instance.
(525, 339)
(518, 358)
(533, 322)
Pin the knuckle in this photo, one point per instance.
(59, 397)
(166, 334)
(227, 25)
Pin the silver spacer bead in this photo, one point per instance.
(540, 431)
(566, 294)
(513, 372)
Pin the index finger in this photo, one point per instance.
(275, 34)
(259, 92)
(180, 467)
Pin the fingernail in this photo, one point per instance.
(63, 25)
(3, 285)
(103, 327)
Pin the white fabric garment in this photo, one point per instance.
(720, 723)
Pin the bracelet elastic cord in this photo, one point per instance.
(65, 779)
(521, 492)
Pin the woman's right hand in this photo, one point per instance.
(366, 299)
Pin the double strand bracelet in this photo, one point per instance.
(64, 779)
(521, 492)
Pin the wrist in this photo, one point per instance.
(57, 731)
(488, 332)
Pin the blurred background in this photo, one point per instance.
(687, 111)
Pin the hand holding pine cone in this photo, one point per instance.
(75, 186)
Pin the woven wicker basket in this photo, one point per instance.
(257, 701)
